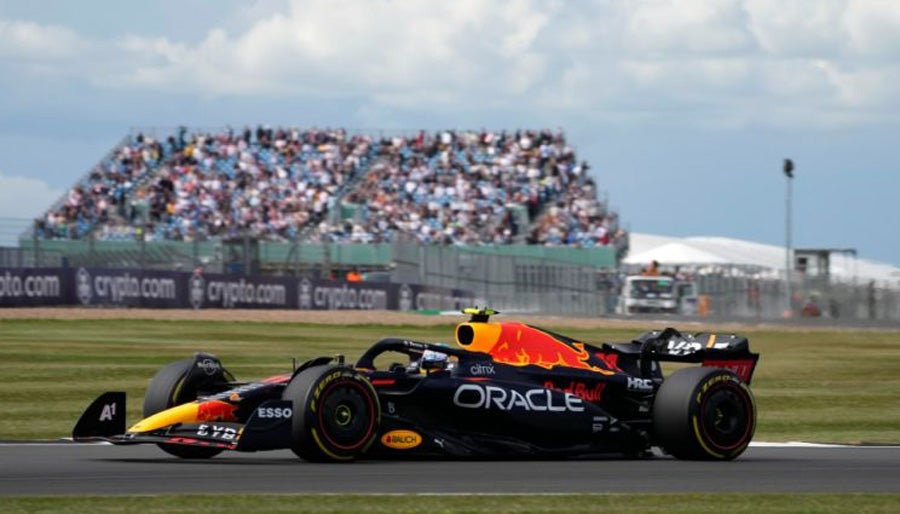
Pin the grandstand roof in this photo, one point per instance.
(726, 251)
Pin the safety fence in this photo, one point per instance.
(526, 283)
(573, 283)
(287, 256)
(767, 298)
(554, 280)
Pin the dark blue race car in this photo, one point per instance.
(508, 390)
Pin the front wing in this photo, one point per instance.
(104, 420)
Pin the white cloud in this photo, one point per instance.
(874, 27)
(25, 198)
(679, 27)
(383, 49)
(27, 40)
(724, 62)
(798, 28)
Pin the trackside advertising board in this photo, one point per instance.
(179, 290)
(28, 287)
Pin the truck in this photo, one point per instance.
(660, 293)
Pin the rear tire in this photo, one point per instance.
(168, 388)
(336, 414)
(704, 414)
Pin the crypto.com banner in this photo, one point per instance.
(176, 289)
(26, 287)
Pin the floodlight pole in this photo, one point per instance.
(789, 176)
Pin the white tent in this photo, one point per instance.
(725, 251)
(676, 253)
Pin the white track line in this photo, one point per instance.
(801, 444)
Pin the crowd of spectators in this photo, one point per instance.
(463, 188)
(103, 193)
(268, 183)
(447, 187)
(577, 218)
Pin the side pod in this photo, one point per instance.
(103, 418)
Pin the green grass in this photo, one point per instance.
(513, 504)
(827, 386)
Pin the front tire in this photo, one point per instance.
(336, 414)
(168, 388)
(704, 414)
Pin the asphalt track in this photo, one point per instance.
(38, 469)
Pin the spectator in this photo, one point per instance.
(652, 270)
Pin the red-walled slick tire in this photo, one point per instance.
(336, 414)
(704, 414)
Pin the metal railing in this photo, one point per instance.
(536, 282)
(506, 282)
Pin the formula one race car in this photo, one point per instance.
(510, 390)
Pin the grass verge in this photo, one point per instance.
(433, 504)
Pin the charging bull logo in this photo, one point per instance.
(192, 412)
(215, 411)
(522, 345)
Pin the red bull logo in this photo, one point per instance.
(521, 345)
(215, 410)
(588, 392)
(191, 412)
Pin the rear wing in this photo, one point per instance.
(729, 351)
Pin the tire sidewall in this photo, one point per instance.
(678, 414)
(718, 383)
(309, 391)
(168, 388)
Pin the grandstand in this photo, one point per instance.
(326, 185)
(509, 217)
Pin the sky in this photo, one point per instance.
(684, 109)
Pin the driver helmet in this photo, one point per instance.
(434, 360)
